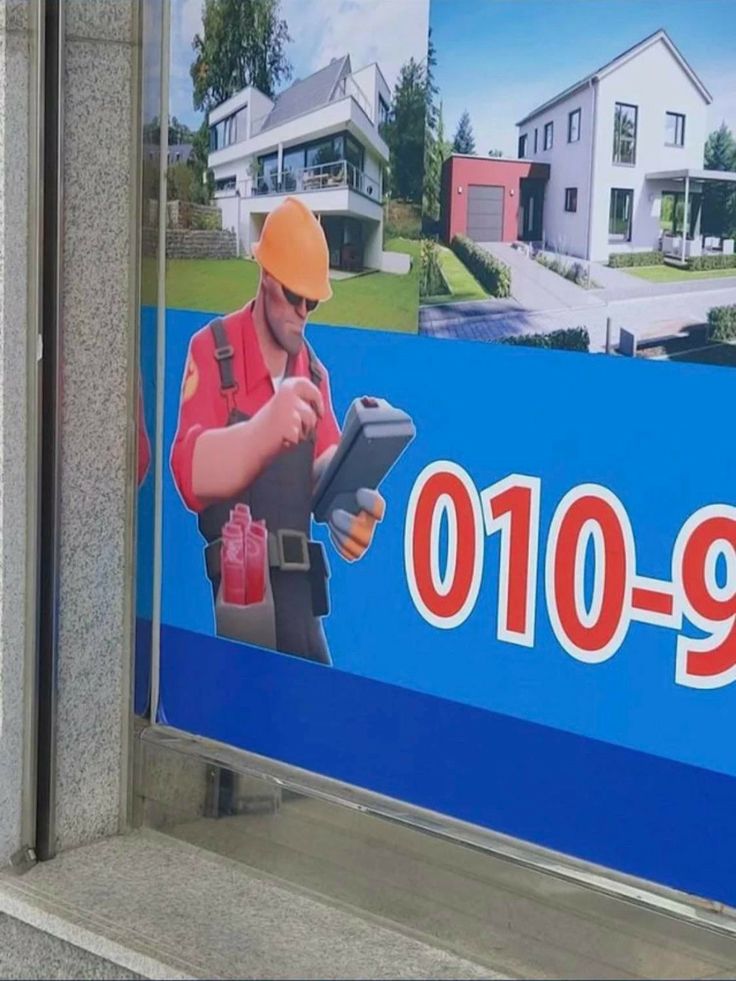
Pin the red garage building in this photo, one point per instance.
(491, 199)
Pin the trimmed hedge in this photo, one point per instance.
(566, 339)
(618, 260)
(699, 262)
(495, 276)
(722, 323)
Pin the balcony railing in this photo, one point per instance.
(320, 177)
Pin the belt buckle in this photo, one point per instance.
(287, 543)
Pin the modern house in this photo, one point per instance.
(612, 163)
(319, 139)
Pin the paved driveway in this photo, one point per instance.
(543, 301)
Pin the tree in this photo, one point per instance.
(719, 200)
(464, 141)
(243, 42)
(405, 132)
(439, 150)
(495, 153)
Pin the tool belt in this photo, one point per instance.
(291, 552)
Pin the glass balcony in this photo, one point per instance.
(319, 177)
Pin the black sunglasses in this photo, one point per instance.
(295, 300)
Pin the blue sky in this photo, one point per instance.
(500, 58)
(386, 31)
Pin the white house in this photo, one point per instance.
(318, 139)
(618, 143)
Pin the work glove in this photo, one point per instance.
(351, 534)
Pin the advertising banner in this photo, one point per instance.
(493, 580)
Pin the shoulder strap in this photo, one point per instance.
(315, 368)
(224, 354)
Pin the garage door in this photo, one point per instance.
(485, 213)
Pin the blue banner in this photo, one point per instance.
(538, 638)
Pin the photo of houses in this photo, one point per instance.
(594, 210)
(269, 100)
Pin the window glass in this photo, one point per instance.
(267, 180)
(674, 129)
(573, 126)
(624, 133)
(383, 111)
(619, 221)
(571, 199)
(548, 135)
(536, 139)
(522, 145)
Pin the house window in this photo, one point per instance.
(225, 183)
(536, 139)
(224, 133)
(672, 212)
(522, 146)
(573, 126)
(624, 133)
(674, 129)
(383, 111)
(619, 217)
(549, 134)
(571, 199)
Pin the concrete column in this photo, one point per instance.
(685, 217)
(17, 361)
(100, 307)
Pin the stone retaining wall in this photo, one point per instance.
(184, 243)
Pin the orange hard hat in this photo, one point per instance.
(293, 249)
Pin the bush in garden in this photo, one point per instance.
(431, 280)
(492, 274)
(565, 339)
(722, 323)
(618, 260)
(702, 262)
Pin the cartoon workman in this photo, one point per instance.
(256, 427)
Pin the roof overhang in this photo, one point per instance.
(694, 174)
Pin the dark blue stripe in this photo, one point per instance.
(641, 814)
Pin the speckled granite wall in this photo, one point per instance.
(100, 183)
(15, 67)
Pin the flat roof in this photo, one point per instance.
(694, 173)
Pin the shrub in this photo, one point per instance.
(699, 262)
(566, 339)
(495, 276)
(431, 279)
(575, 271)
(722, 323)
(620, 259)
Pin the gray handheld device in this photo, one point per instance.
(374, 436)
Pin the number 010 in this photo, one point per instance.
(589, 621)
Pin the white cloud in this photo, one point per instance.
(387, 31)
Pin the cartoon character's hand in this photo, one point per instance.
(351, 534)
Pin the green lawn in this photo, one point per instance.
(376, 300)
(671, 274)
(463, 285)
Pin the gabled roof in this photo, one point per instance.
(611, 66)
(308, 93)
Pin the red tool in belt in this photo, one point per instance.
(243, 561)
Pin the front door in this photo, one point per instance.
(530, 212)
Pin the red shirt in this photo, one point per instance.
(203, 405)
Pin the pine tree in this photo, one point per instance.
(405, 132)
(719, 200)
(464, 141)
